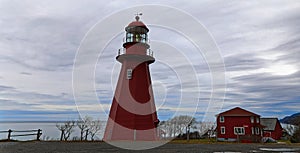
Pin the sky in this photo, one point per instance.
(41, 43)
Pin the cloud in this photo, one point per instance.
(5, 88)
(39, 39)
(25, 73)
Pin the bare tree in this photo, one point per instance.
(45, 138)
(69, 129)
(94, 128)
(296, 136)
(163, 129)
(290, 130)
(66, 129)
(62, 128)
(177, 125)
(207, 129)
(167, 128)
(182, 123)
(83, 125)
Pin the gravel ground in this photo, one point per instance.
(96, 147)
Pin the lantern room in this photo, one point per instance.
(136, 38)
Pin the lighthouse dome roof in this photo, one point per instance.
(137, 24)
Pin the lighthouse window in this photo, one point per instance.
(137, 38)
(129, 37)
(129, 73)
(144, 38)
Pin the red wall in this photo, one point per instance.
(235, 121)
(133, 107)
(276, 134)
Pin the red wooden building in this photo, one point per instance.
(272, 128)
(238, 124)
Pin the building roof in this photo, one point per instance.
(269, 123)
(237, 111)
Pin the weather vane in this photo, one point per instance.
(137, 16)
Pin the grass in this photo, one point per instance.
(213, 141)
(194, 141)
(284, 141)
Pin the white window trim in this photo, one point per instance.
(243, 130)
(252, 130)
(252, 119)
(257, 131)
(223, 127)
(222, 119)
(257, 119)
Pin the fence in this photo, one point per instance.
(10, 134)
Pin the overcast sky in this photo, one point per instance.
(259, 42)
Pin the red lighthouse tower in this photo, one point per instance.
(133, 114)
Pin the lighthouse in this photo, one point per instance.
(133, 114)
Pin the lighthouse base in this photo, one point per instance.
(115, 132)
(137, 145)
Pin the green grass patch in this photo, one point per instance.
(193, 141)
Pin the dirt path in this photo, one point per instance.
(97, 147)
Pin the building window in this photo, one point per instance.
(257, 119)
(222, 119)
(252, 119)
(129, 73)
(252, 130)
(222, 129)
(239, 130)
(257, 130)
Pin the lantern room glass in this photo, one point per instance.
(136, 37)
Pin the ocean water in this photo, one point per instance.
(49, 131)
